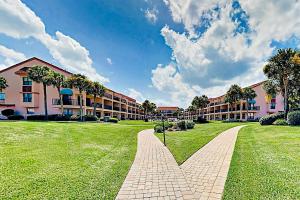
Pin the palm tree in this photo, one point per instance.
(233, 95)
(248, 94)
(58, 81)
(81, 83)
(3, 83)
(192, 110)
(42, 74)
(200, 102)
(146, 107)
(95, 89)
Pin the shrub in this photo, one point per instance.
(270, 119)
(90, 118)
(200, 120)
(113, 120)
(158, 128)
(62, 118)
(190, 125)
(36, 117)
(181, 125)
(293, 118)
(280, 122)
(15, 117)
(75, 118)
(146, 120)
(8, 112)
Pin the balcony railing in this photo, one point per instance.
(224, 110)
(71, 102)
(98, 105)
(129, 111)
(107, 107)
(116, 108)
(117, 98)
(254, 108)
(123, 110)
(123, 101)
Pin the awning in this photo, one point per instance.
(66, 91)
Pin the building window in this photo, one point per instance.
(2, 96)
(27, 81)
(30, 111)
(27, 97)
(272, 105)
(26, 88)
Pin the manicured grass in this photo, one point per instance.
(41, 160)
(136, 122)
(265, 164)
(183, 144)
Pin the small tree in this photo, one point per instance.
(3, 83)
(233, 95)
(81, 83)
(95, 89)
(200, 102)
(58, 81)
(248, 94)
(282, 72)
(42, 74)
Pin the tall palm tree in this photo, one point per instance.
(58, 81)
(3, 83)
(95, 89)
(248, 94)
(81, 83)
(233, 95)
(146, 107)
(200, 102)
(42, 74)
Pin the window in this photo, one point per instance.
(27, 97)
(272, 105)
(27, 81)
(27, 88)
(2, 96)
(30, 111)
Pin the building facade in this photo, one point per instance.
(217, 109)
(25, 97)
(168, 111)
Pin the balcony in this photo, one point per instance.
(254, 108)
(69, 102)
(129, 111)
(98, 105)
(116, 98)
(109, 96)
(123, 101)
(123, 110)
(116, 108)
(107, 107)
(224, 110)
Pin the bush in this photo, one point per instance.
(8, 112)
(158, 128)
(62, 118)
(146, 120)
(270, 119)
(90, 118)
(190, 125)
(75, 118)
(15, 117)
(293, 118)
(280, 122)
(200, 120)
(36, 117)
(181, 125)
(113, 120)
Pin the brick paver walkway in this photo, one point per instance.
(206, 170)
(155, 174)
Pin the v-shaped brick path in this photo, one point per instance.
(155, 174)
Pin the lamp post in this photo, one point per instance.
(163, 125)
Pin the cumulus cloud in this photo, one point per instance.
(136, 94)
(232, 48)
(10, 56)
(151, 15)
(19, 21)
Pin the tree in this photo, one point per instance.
(200, 102)
(282, 71)
(58, 81)
(192, 109)
(146, 107)
(270, 90)
(42, 74)
(3, 83)
(233, 95)
(248, 94)
(95, 89)
(81, 83)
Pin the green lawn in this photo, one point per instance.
(41, 160)
(136, 122)
(183, 144)
(265, 164)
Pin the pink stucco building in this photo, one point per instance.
(217, 109)
(25, 97)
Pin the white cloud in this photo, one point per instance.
(212, 60)
(151, 15)
(133, 93)
(10, 56)
(19, 21)
(109, 61)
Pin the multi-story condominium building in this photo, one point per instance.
(25, 97)
(168, 111)
(217, 109)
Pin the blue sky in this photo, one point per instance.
(164, 50)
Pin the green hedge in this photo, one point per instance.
(270, 119)
(293, 118)
(158, 128)
(15, 117)
(280, 122)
